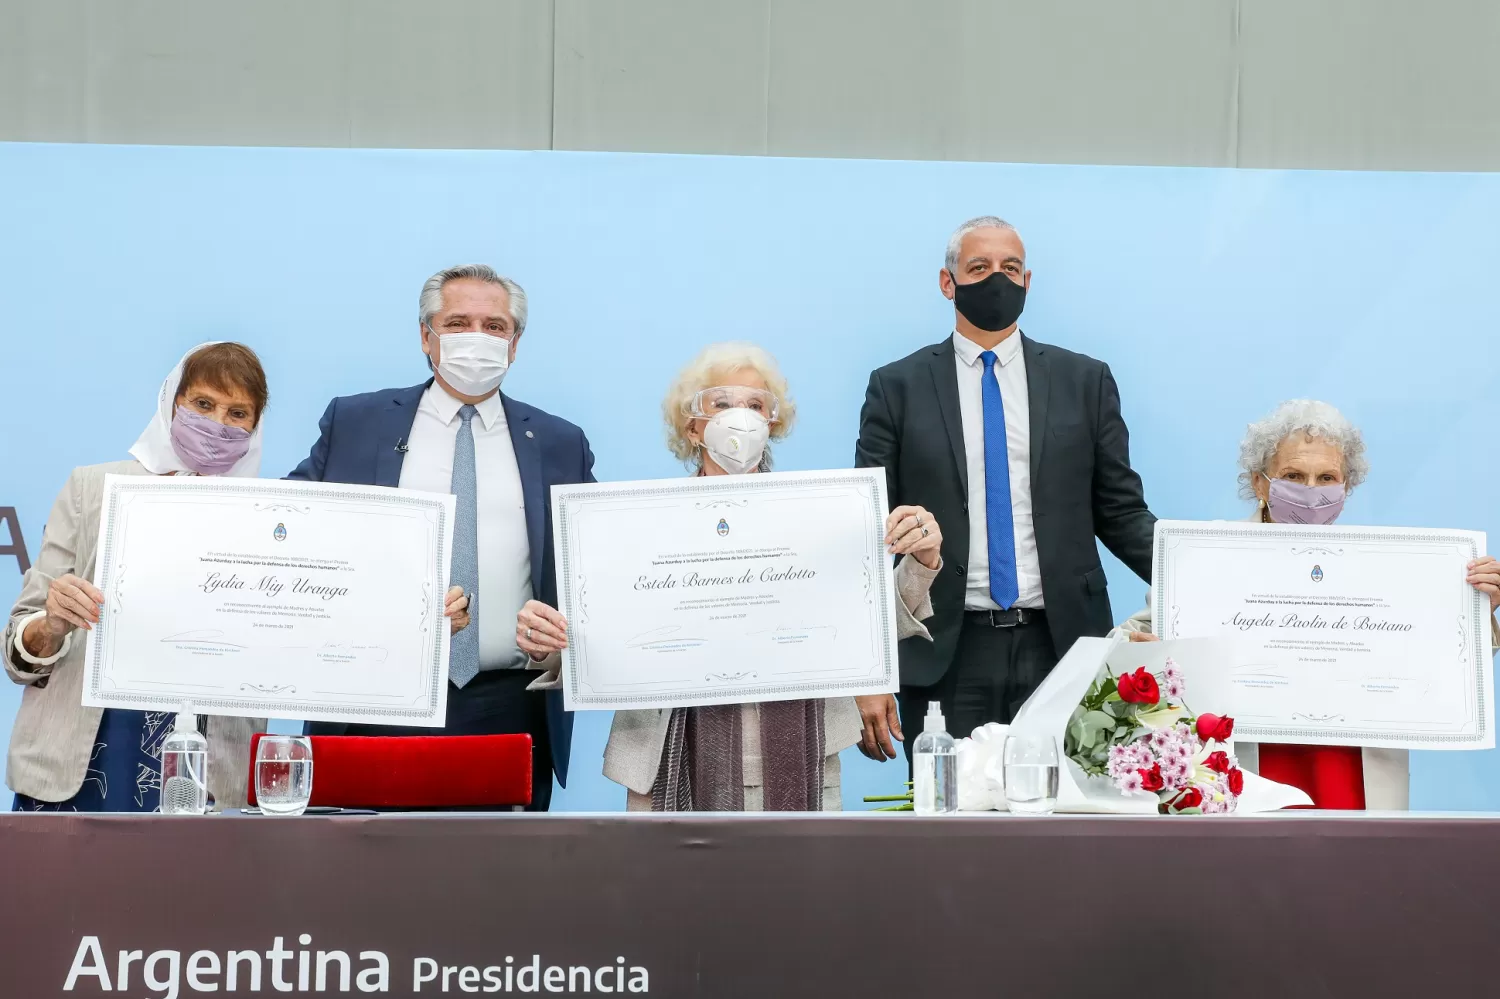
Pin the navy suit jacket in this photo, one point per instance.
(357, 441)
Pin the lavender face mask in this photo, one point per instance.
(205, 445)
(1295, 503)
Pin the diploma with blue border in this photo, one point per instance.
(1361, 636)
(257, 597)
(724, 589)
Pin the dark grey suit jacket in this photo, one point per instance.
(1082, 486)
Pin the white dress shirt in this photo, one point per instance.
(504, 551)
(1010, 373)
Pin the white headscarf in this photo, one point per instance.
(154, 448)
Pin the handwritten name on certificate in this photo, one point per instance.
(723, 589)
(258, 597)
(1360, 636)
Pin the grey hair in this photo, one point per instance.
(1307, 416)
(431, 301)
(955, 241)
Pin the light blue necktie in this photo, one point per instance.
(999, 520)
(463, 649)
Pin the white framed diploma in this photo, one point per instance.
(1356, 636)
(260, 597)
(725, 589)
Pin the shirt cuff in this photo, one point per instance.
(27, 657)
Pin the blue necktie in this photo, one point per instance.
(463, 649)
(998, 517)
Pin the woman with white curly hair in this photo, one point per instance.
(1298, 465)
(720, 415)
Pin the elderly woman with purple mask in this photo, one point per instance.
(1299, 464)
(68, 757)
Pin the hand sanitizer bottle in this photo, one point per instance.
(935, 759)
(184, 767)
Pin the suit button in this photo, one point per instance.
(959, 569)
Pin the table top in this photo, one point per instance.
(826, 905)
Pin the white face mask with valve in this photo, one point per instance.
(736, 439)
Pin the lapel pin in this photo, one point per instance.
(530, 434)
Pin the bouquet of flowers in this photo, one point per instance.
(1128, 743)
(1136, 729)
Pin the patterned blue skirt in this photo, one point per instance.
(124, 772)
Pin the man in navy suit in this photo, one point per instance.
(457, 433)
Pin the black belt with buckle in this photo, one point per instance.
(1013, 618)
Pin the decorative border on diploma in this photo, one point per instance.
(1326, 542)
(116, 487)
(871, 479)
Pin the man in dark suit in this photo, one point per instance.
(499, 457)
(1019, 451)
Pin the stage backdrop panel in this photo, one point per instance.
(1213, 294)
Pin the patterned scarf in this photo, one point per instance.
(702, 763)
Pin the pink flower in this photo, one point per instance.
(1143, 755)
(1176, 689)
(1176, 775)
(1172, 671)
(1129, 782)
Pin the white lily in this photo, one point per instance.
(1161, 717)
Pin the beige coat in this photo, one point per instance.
(637, 738)
(54, 734)
(1387, 771)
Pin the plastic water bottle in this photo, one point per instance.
(935, 758)
(184, 767)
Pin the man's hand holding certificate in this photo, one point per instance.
(726, 589)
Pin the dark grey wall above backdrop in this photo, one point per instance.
(1332, 84)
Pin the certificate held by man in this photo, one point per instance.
(1366, 636)
(725, 589)
(257, 597)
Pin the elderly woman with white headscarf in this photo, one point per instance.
(68, 757)
(1298, 465)
(720, 414)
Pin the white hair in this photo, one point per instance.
(1306, 416)
(955, 241)
(431, 301)
(713, 364)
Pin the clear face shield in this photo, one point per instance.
(710, 402)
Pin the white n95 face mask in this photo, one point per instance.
(736, 439)
(473, 363)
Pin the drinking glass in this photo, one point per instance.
(283, 774)
(1031, 773)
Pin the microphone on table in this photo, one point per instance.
(401, 447)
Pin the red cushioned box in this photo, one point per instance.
(440, 771)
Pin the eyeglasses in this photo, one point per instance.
(709, 401)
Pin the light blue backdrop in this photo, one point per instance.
(1214, 294)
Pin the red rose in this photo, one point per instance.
(1139, 687)
(1218, 762)
(1191, 798)
(1236, 782)
(1152, 780)
(1215, 727)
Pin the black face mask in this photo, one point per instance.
(993, 304)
